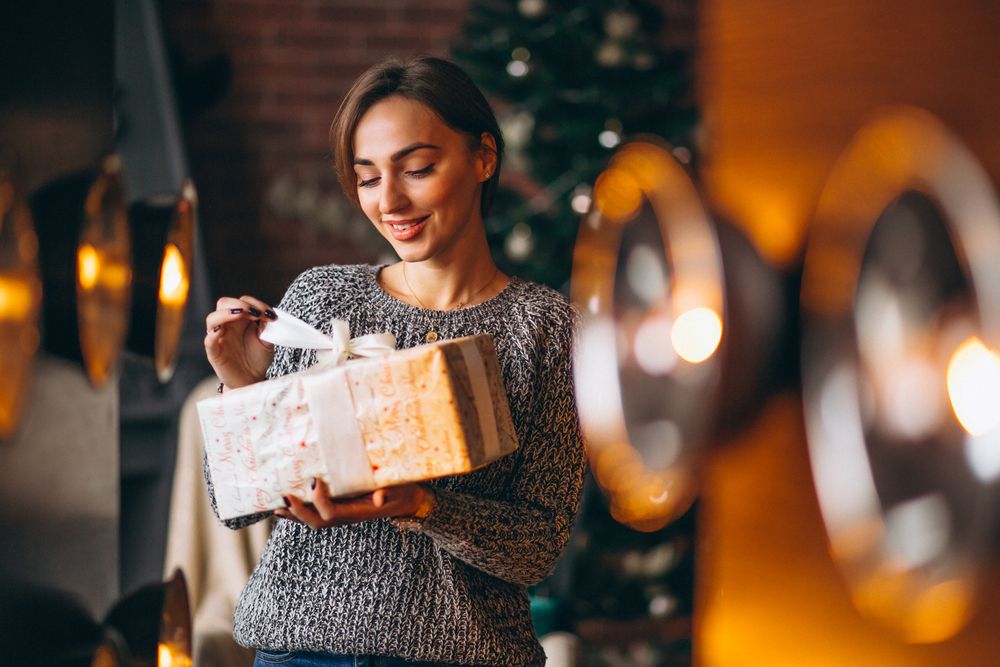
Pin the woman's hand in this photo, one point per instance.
(325, 512)
(232, 340)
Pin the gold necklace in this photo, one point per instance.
(432, 335)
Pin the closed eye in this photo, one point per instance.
(368, 183)
(420, 173)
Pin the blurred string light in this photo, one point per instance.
(901, 317)
(611, 136)
(641, 357)
(581, 199)
(518, 65)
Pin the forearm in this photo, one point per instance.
(514, 541)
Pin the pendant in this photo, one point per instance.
(431, 336)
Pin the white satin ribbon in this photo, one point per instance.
(289, 331)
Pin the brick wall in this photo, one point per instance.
(270, 203)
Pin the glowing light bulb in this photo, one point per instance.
(173, 277)
(15, 299)
(696, 334)
(974, 386)
(166, 656)
(88, 264)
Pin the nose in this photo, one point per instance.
(391, 198)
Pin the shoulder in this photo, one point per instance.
(546, 306)
(546, 315)
(322, 280)
(330, 275)
(542, 303)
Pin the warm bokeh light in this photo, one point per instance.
(974, 386)
(654, 354)
(94, 270)
(696, 334)
(16, 298)
(167, 656)
(174, 282)
(617, 195)
(88, 264)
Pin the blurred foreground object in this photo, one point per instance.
(154, 624)
(20, 303)
(901, 314)
(85, 254)
(163, 237)
(647, 275)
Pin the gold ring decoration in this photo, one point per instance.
(20, 303)
(901, 377)
(647, 278)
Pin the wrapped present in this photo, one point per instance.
(394, 417)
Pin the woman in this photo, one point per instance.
(430, 573)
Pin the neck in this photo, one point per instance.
(438, 287)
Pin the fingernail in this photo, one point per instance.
(270, 314)
(214, 329)
(313, 485)
(235, 310)
(287, 502)
(254, 312)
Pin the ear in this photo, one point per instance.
(486, 157)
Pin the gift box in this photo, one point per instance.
(401, 416)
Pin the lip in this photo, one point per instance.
(418, 225)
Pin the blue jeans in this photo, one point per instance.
(307, 659)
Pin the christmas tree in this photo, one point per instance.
(571, 81)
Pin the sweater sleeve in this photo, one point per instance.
(518, 538)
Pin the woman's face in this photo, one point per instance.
(417, 179)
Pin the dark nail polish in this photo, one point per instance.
(313, 485)
(235, 310)
(270, 314)
(254, 311)
(287, 503)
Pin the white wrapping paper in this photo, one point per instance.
(416, 414)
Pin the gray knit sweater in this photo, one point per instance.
(455, 591)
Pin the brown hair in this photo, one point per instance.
(439, 84)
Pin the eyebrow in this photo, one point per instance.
(398, 155)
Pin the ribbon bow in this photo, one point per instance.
(289, 331)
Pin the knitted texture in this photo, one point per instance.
(454, 592)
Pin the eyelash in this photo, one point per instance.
(419, 173)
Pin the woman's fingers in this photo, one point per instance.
(228, 308)
(258, 308)
(324, 512)
(219, 318)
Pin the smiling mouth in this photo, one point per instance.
(400, 226)
(404, 230)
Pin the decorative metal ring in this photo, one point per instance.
(907, 518)
(665, 345)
